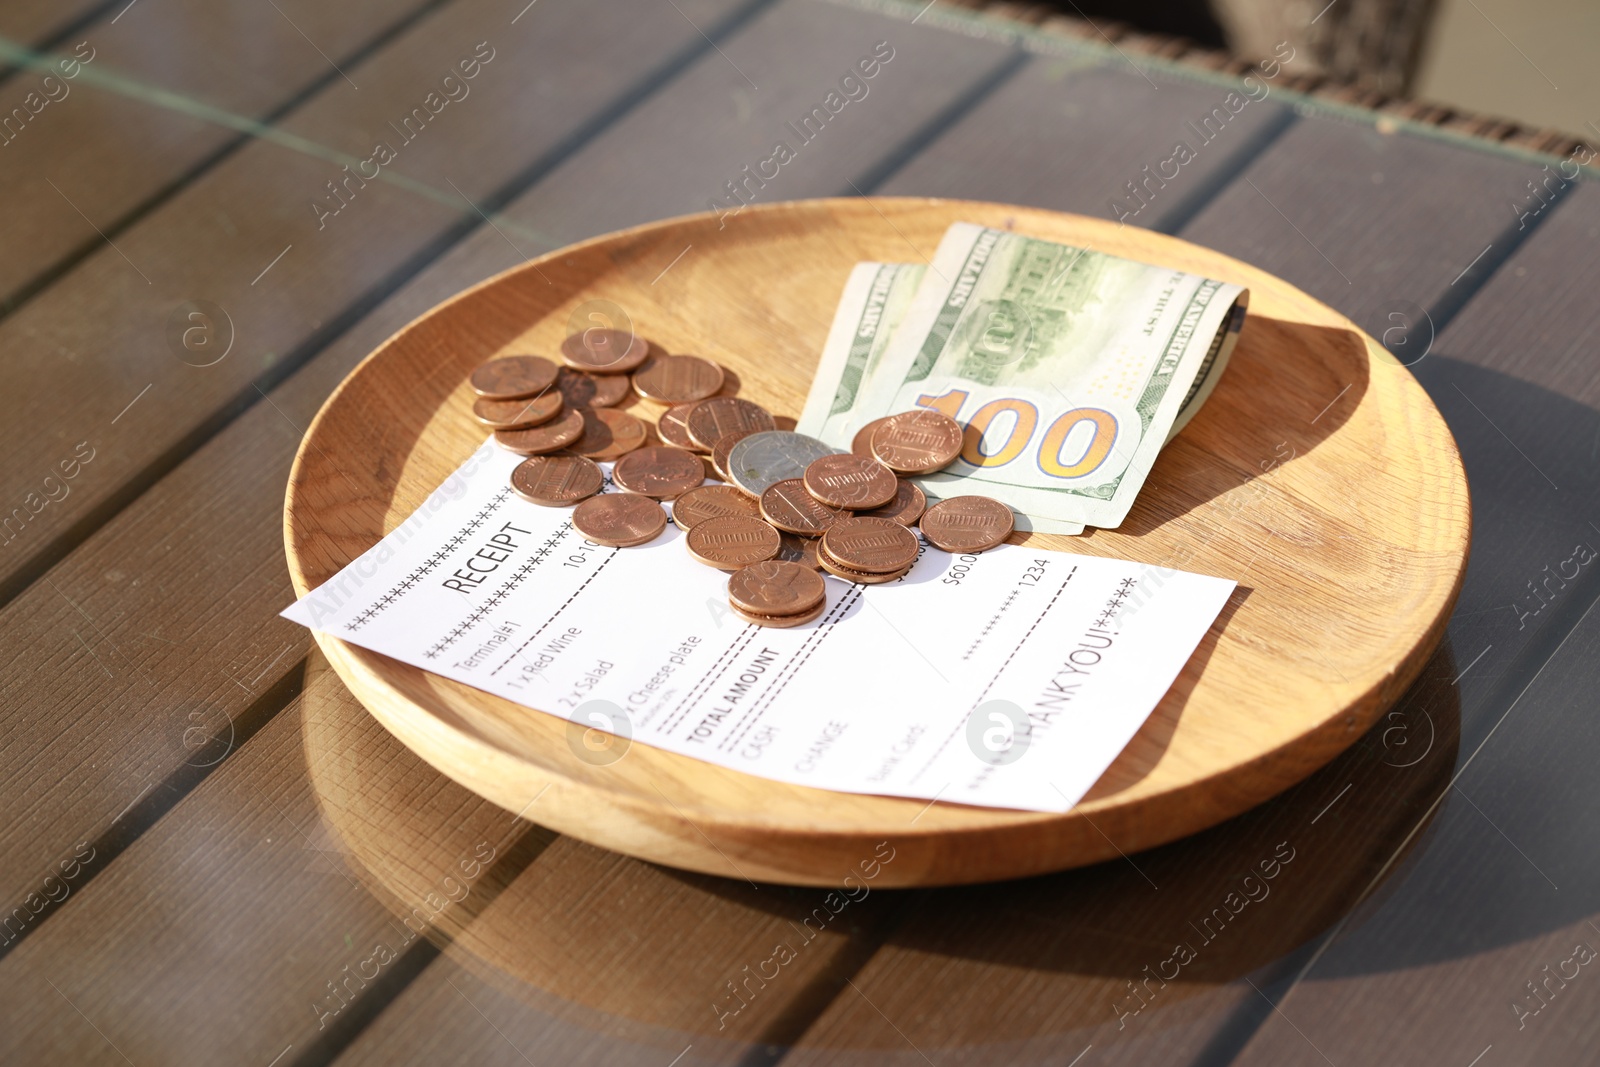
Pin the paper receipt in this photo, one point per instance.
(1008, 679)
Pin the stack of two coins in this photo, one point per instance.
(868, 550)
(777, 593)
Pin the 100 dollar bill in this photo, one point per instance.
(1070, 368)
(875, 299)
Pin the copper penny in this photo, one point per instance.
(711, 502)
(540, 439)
(846, 480)
(861, 443)
(513, 377)
(621, 520)
(781, 621)
(710, 420)
(517, 414)
(724, 448)
(672, 429)
(731, 541)
(604, 351)
(850, 574)
(776, 588)
(583, 390)
(677, 379)
(967, 523)
(608, 434)
(557, 481)
(917, 442)
(661, 471)
(790, 508)
(907, 506)
(876, 546)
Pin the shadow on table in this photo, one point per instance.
(1124, 943)
(570, 935)
(1513, 856)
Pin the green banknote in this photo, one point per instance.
(875, 299)
(1069, 368)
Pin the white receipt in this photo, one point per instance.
(1007, 679)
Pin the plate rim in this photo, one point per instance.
(1306, 750)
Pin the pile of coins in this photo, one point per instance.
(789, 504)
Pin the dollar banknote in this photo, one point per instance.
(1069, 368)
(875, 299)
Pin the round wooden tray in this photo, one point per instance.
(1319, 476)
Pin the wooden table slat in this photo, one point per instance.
(1536, 319)
(251, 893)
(97, 713)
(236, 642)
(111, 322)
(1364, 219)
(1091, 131)
(163, 622)
(1503, 896)
(1143, 958)
(1507, 887)
(700, 135)
(1434, 209)
(41, 23)
(55, 203)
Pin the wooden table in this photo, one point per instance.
(211, 855)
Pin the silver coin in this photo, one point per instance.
(772, 456)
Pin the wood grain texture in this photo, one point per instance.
(1536, 319)
(37, 22)
(1532, 315)
(1301, 632)
(1364, 219)
(124, 113)
(1505, 891)
(1475, 919)
(170, 610)
(256, 890)
(109, 325)
(1073, 134)
(1034, 971)
(703, 131)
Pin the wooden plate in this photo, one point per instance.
(1319, 475)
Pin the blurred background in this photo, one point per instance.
(1529, 61)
